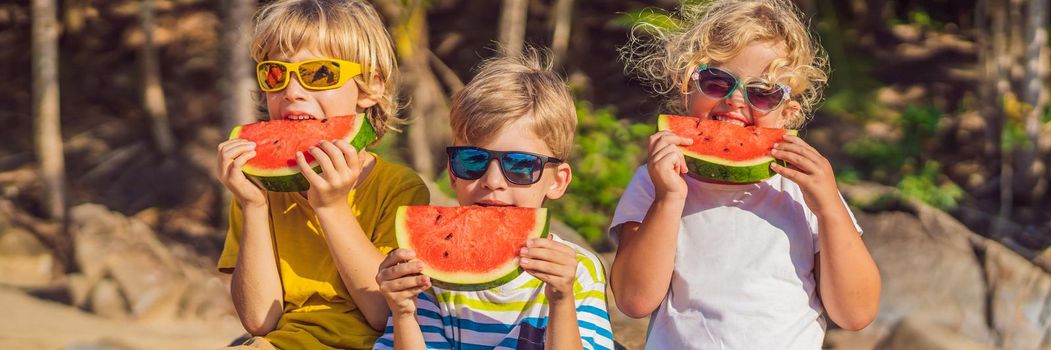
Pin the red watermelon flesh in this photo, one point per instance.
(472, 247)
(723, 151)
(274, 166)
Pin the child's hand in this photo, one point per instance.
(400, 281)
(340, 167)
(666, 165)
(553, 263)
(810, 170)
(233, 154)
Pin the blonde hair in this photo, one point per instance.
(345, 29)
(510, 88)
(717, 32)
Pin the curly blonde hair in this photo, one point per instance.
(345, 29)
(716, 32)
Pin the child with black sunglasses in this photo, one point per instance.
(513, 126)
(304, 264)
(739, 266)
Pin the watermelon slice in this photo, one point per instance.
(469, 248)
(274, 166)
(725, 152)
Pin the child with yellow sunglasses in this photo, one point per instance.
(304, 264)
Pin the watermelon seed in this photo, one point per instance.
(275, 142)
(726, 149)
(438, 218)
(449, 236)
(324, 120)
(445, 254)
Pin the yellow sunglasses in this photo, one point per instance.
(319, 74)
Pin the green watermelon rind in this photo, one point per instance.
(290, 179)
(503, 274)
(705, 167)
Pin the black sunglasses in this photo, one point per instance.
(760, 94)
(519, 168)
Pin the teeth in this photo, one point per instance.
(299, 117)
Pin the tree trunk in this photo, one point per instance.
(513, 26)
(47, 124)
(1035, 95)
(238, 82)
(152, 91)
(563, 25)
(1001, 73)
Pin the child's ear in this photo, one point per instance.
(790, 112)
(376, 87)
(563, 175)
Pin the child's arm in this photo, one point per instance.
(255, 286)
(555, 264)
(642, 270)
(400, 282)
(848, 280)
(356, 258)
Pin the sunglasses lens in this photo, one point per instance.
(521, 168)
(468, 163)
(271, 76)
(716, 83)
(319, 74)
(765, 97)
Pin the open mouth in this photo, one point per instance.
(299, 116)
(730, 118)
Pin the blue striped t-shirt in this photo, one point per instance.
(510, 316)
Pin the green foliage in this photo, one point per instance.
(1013, 135)
(648, 19)
(653, 20)
(924, 186)
(903, 161)
(606, 153)
(918, 124)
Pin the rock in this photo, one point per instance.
(108, 244)
(24, 260)
(107, 301)
(917, 334)
(1020, 293)
(946, 287)
(928, 270)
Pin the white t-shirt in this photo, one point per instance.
(744, 267)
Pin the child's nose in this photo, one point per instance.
(494, 179)
(294, 91)
(736, 99)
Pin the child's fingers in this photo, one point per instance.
(551, 244)
(313, 178)
(400, 270)
(397, 256)
(339, 163)
(350, 155)
(322, 160)
(789, 173)
(403, 284)
(799, 141)
(547, 267)
(229, 151)
(796, 159)
(240, 161)
(548, 254)
(665, 151)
